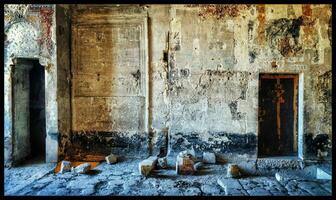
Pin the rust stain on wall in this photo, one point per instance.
(221, 11)
(308, 23)
(46, 21)
(261, 27)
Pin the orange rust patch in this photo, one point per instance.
(220, 11)
(261, 28)
(89, 158)
(75, 164)
(308, 22)
(306, 10)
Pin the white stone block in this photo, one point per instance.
(111, 159)
(209, 157)
(65, 166)
(146, 166)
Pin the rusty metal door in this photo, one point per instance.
(277, 115)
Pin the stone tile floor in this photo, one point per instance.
(123, 179)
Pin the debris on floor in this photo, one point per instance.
(233, 171)
(111, 159)
(147, 165)
(73, 164)
(209, 157)
(82, 168)
(65, 166)
(198, 166)
(162, 163)
(185, 163)
(120, 180)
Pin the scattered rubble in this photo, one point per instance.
(198, 165)
(111, 159)
(65, 166)
(82, 168)
(119, 181)
(146, 166)
(185, 163)
(162, 163)
(209, 157)
(233, 171)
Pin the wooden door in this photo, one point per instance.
(277, 115)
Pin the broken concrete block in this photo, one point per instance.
(65, 166)
(146, 166)
(233, 171)
(162, 162)
(111, 159)
(188, 153)
(185, 164)
(198, 166)
(209, 157)
(82, 168)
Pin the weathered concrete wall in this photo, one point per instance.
(109, 82)
(196, 83)
(204, 65)
(216, 55)
(63, 40)
(30, 34)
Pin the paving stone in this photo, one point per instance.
(149, 192)
(111, 159)
(258, 192)
(230, 185)
(209, 157)
(87, 191)
(65, 176)
(45, 192)
(62, 191)
(298, 193)
(278, 193)
(326, 186)
(172, 192)
(286, 176)
(165, 183)
(76, 184)
(210, 189)
(192, 191)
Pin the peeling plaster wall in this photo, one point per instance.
(214, 66)
(109, 82)
(31, 35)
(201, 84)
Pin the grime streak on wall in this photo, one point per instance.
(261, 26)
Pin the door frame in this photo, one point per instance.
(298, 123)
(16, 61)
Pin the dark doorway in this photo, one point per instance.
(37, 112)
(29, 126)
(277, 115)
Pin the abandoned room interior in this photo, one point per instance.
(167, 100)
